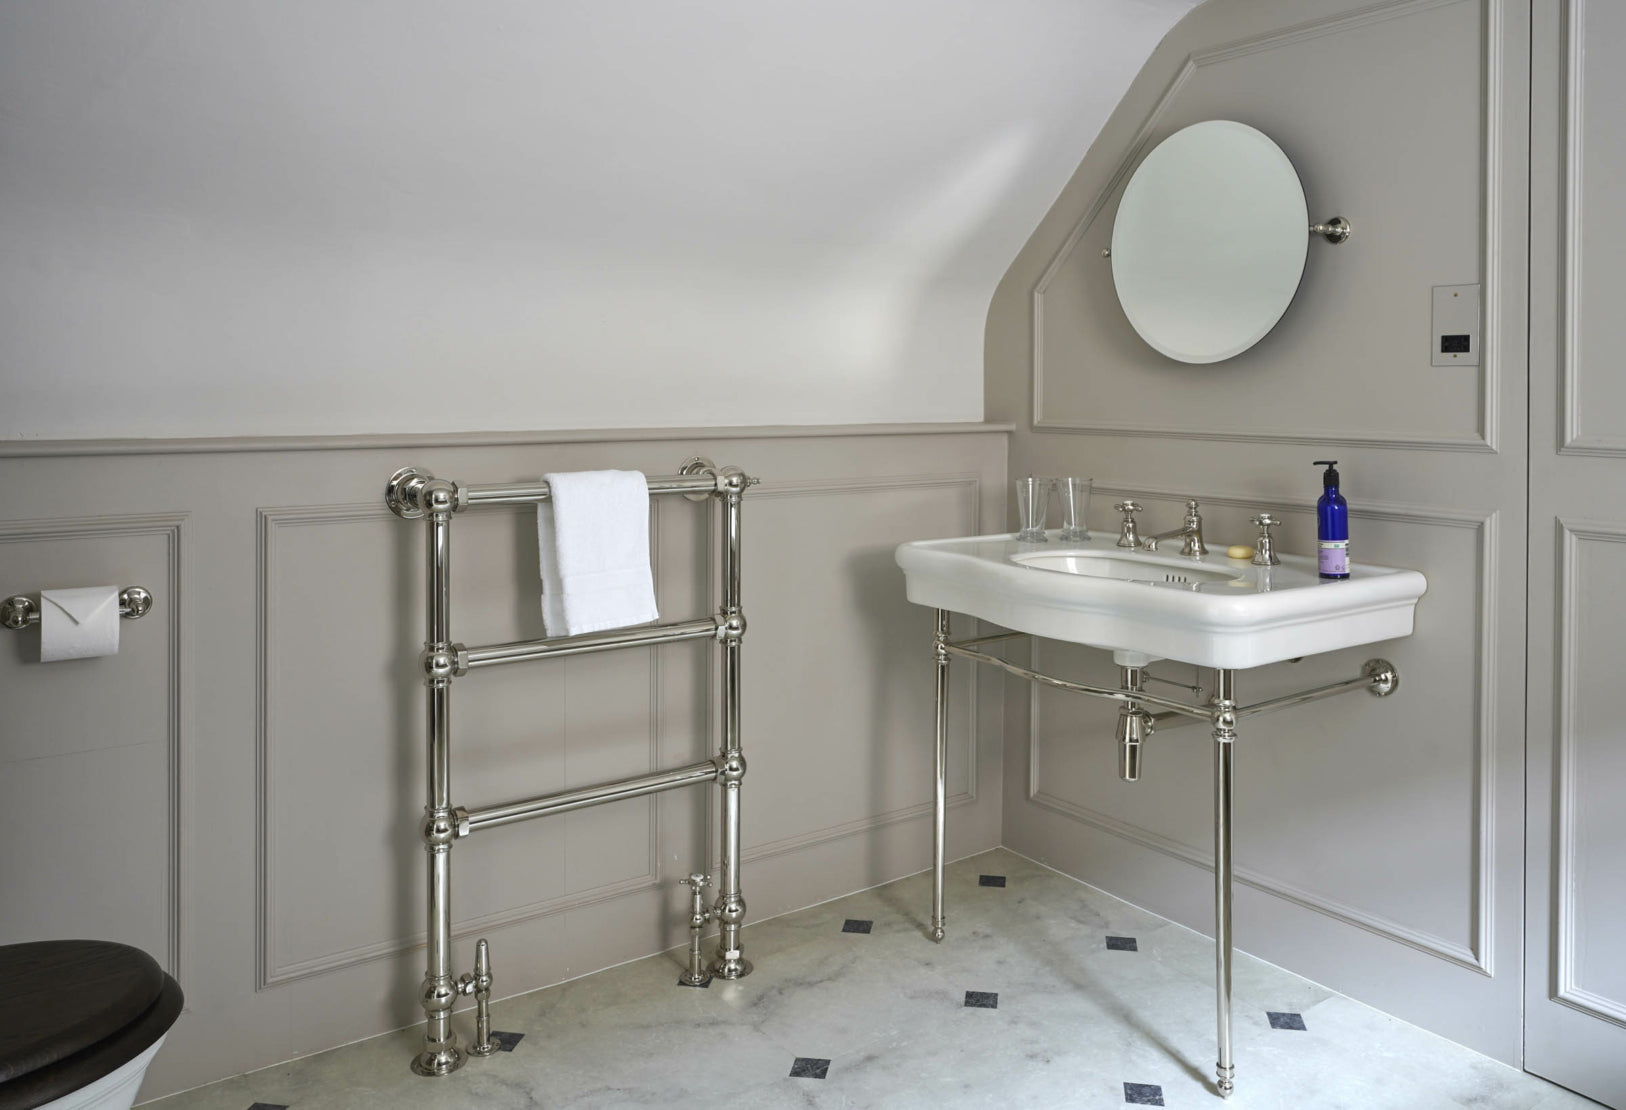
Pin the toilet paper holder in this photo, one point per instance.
(19, 611)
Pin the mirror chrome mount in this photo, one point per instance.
(1335, 230)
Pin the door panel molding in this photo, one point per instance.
(1566, 987)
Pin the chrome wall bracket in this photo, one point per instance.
(1383, 677)
(1378, 677)
(1335, 230)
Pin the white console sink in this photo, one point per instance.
(1211, 611)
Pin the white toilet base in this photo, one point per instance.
(114, 1091)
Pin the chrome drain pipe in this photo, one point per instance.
(1135, 725)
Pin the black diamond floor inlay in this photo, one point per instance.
(1285, 1021)
(681, 983)
(982, 1000)
(990, 880)
(1122, 944)
(809, 1067)
(506, 1041)
(1143, 1094)
(269, 1106)
(856, 925)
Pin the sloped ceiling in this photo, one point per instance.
(303, 216)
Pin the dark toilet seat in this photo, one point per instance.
(82, 1009)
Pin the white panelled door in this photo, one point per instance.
(1575, 938)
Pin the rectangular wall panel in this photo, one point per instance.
(1385, 832)
(832, 602)
(1594, 229)
(1590, 878)
(91, 748)
(344, 699)
(1413, 229)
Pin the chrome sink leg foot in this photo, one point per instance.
(940, 791)
(1224, 706)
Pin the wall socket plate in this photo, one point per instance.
(1456, 325)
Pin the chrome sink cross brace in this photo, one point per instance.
(1135, 724)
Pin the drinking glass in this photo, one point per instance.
(1032, 500)
(1074, 495)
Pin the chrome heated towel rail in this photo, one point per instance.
(414, 494)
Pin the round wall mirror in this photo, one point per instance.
(1209, 243)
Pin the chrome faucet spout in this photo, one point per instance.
(1190, 531)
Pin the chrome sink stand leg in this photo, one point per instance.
(1224, 706)
(940, 795)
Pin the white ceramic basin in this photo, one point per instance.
(1213, 611)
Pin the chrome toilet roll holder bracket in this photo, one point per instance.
(19, 611)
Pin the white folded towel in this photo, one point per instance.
(593, 535)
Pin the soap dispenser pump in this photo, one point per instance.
(1332, 524)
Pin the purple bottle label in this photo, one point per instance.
(1334, 556)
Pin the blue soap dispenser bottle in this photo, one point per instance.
(1332, 524)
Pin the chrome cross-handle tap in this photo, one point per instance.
(1264, 548)
(1128, 533)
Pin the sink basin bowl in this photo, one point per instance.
(1129, 568)
(1211, 611)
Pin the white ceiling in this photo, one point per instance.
(388, 215)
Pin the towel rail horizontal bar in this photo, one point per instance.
(411, 493)
(526, 493)
(467, 659)
(563, 801)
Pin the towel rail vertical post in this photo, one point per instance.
(440, 1053)
(730, 910)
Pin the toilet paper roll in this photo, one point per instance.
(79, 624)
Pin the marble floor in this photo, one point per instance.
(1047, 993)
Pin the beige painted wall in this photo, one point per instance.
(1378, 843)
(239, 790)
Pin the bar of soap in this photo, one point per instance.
(1239, 551)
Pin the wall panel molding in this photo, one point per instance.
(966, 483)
(1488, 435)
(167, 604)
(210, 445)
(1566, 987)
(271, 972)
(1575, 441)
(1477, 956)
